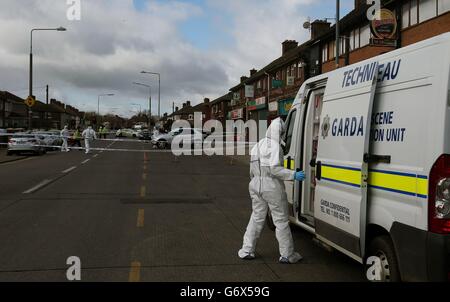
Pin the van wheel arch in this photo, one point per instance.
(378, 239)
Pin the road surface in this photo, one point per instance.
(141, 216)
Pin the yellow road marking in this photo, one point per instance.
(143, 191)
(135, 272)
(140, 218)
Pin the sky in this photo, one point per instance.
(200, 47)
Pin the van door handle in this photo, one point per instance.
(319, 170)
(289, 164)
(312, 163)
(374, 158)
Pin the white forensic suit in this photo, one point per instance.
(268, 192)
(65, 136)
(88, 135)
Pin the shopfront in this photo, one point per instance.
(284, 106)
(257, 109)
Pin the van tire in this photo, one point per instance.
(383, 248)
(269, 222)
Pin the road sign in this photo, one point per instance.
(30, 101)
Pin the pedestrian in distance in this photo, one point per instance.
(104, 132)
(100, 132)
(89, 135)
(268, 192)
(65, 137)
(77, 139)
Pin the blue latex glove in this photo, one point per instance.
(299, 176)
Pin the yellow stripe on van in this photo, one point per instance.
(422, 187)
(396, 182)
(340, 174)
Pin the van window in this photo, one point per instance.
(290, 130)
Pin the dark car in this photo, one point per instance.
(145, 135)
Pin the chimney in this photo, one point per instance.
(318, 28)
(176, 109)
(243, 79)
(184, 105)
(288, 45)
(188, 104)
(206, 100)
(253, 71)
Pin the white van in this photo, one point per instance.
(374, 141)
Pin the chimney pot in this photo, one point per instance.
(188, 103)
(318, 28)
(288, 45)
(243, 79)
(253, 71)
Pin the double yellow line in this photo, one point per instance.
(135, 269)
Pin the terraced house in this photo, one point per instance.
(269, 92)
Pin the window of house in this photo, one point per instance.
(352, 40)
(405, 14)
(443, 6)
(365, 35)
(299, 69)
(325, 53)
(427, 10)
(332, 50)
(258, 85)
(342, 45)
(413, 13)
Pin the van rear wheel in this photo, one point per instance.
(382, 248)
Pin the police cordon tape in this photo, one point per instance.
(224, 149)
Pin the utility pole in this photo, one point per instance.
(337, 32)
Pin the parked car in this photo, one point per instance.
(145, 135)
(26, 143)
(52, 139)
(127, 133)
(165, 140)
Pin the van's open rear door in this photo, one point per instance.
(340, 205)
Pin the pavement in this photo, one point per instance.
(143, 215)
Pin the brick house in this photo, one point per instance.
(414, 21)
(13, 111)
(219, 108)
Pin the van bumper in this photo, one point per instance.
(422, 256)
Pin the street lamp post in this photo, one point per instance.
(31, 63)
(159, 89)
(98, 101)
(149, 100)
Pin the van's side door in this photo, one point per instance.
(340, 205)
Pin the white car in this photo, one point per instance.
(26, 143)
(165, 140)
(127, 133)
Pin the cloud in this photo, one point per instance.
(114, 41)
